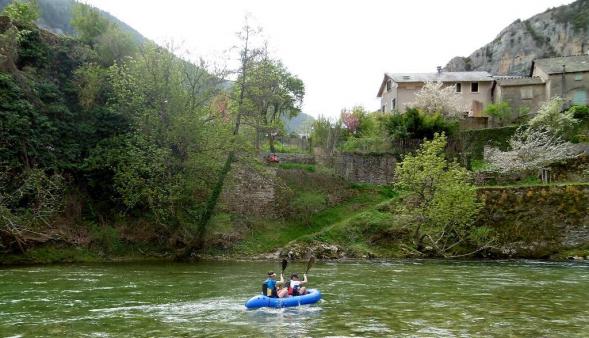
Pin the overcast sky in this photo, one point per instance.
(340, 49)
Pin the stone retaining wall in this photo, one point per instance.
(366, 168)
(537, 221)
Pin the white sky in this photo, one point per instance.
(340, 49)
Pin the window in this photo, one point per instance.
(393, 104)
(474, 87)
(526, 93)
(459, 87)
(578, 77)
(389, 85)
(580, 97)
(383, 108)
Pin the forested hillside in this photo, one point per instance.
(107, 141)
(56, 16)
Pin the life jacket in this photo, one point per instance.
(269, 288)
(293, 287)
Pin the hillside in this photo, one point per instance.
(298, 124)
(558, 31)
(57, 14)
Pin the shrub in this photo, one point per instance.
(499, 111)
(417, 125)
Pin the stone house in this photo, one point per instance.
(524, 94)
(566, 76)
(397, 90)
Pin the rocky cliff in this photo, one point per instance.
(558, 31)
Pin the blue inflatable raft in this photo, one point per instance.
(312, 297)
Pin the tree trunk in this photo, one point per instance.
(198, 242)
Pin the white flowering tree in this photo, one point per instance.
(551, 117)
(531, 149)
(538, 144)
(435, 98)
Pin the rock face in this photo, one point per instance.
(559, 31)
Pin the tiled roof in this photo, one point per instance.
(443, 77)
(517, 80)
(574, 63)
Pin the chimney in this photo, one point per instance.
(439, 70)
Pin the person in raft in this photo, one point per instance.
(297, 286)
(269, 286)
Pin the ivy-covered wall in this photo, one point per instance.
(474, 141)
(538, 221)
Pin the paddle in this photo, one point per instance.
(284, 264)
(310, 264)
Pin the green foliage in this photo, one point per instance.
(366, 144)
(441, 203)
(479, 165)
(500, 111)
(88, 23)
(581, 132)
(307, 167)
(580, 112)
(576, 14)
(271, 93)
(414, 124)
(23, 12)
(31, 50)
(320, 131)
(307, 203)
(474, 141)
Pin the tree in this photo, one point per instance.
(247, 55)
(530, 150)
(272, 92)
(440, 203)
(551, 117)
(538, 144)
(24, 12)
(414, 124)
(500, 111)
(88, 22)
(435, 98)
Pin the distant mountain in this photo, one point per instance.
(57, 14)
(299, 124)
(559, 31)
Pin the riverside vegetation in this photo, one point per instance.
(115, 148)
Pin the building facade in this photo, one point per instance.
(566, 77)
(398, 90)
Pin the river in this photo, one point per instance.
(369, 299)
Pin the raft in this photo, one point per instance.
(312, 297)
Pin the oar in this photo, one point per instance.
(284, 264)
(310, 263)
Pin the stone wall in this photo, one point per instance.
(366, 168)
(538, 221)
(250, 191)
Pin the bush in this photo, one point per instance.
(499, 111)
(414, 124)
(308, 203)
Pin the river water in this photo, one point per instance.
(369, 299)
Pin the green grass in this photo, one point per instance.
(271, 235)
(289, 165)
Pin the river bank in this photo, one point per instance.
(315, 213)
